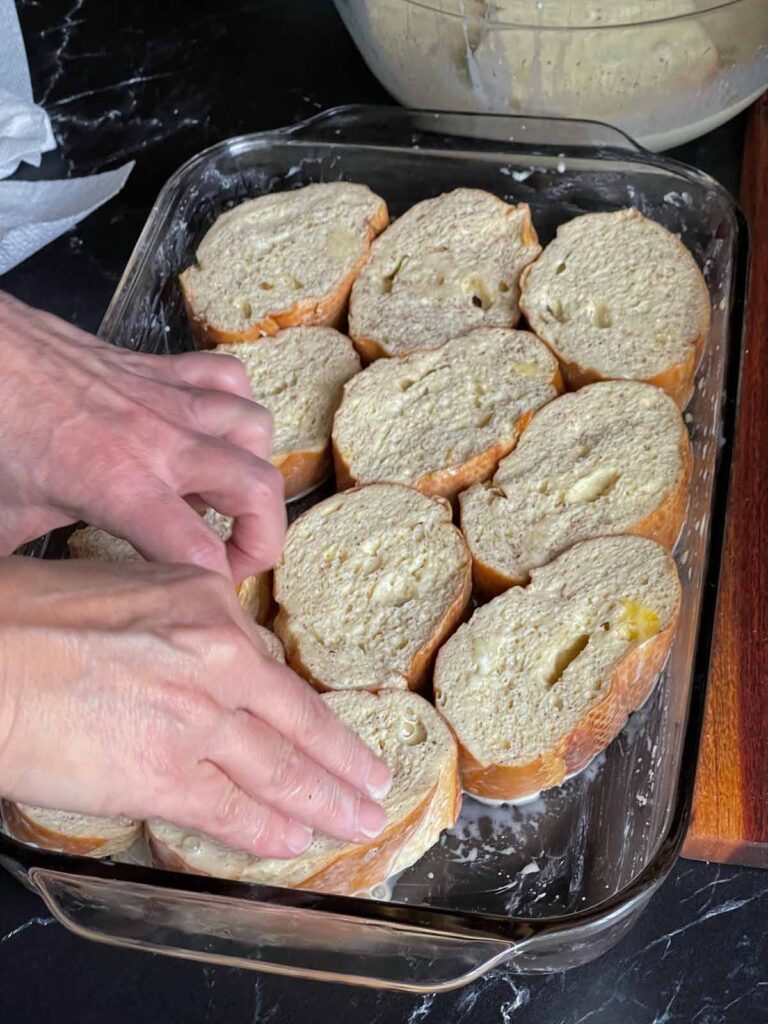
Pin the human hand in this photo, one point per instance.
(120, 439)
(143, 690)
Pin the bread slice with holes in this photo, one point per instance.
(611, 458)
(617, 296)
(440, 419)
(255, 592)
(370, 583)
(541, 680)
(299, 375)
(280, 260)
(425, 798)
(448, 265)
(66, 832)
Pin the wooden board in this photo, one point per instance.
(730, 812)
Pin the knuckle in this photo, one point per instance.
(265, 421)
(206, 547)
(228, 647)
(263, 482)
(347, 752)
(229, 809)
(332, 802)
(286, 769)
(228, 369)
(307, 710)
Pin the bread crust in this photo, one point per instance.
(255, 596)
(663, 525)
(359, 867)
(677, 380)
(351, 871)
(632, 681)
(303, 471)
(26, 830)
(327, 311)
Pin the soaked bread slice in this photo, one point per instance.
(370, 583)
(83, 834)
(299, 375)
(616, 295)
(611, 458)
(447, 266)
(440, 419)
(424, 799)
(280, 260)
(541, 680)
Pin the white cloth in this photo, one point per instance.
(33, 213)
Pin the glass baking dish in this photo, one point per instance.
(537, 887)
(663, 70)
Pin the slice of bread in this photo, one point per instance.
(280, 260)
(299, 375)
(541, 680)
(425, 798)
(271, 643)
(83, 834)
(611, 458)
(440, 419)
(616, 295)
(448, 265)
(370, 583)
(255, 592)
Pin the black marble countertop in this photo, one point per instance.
(156, 81)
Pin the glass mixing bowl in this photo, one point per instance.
(665, 71)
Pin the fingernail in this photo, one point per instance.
(371, 819)
(379, 780)
(297, 837)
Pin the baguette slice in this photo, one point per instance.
(271, 643)
(425, 799)
(616, 295)
(280, 260)
(440, 419)
(299, 375)
(255, 592)
(541, 680)
(611, 458)
(83, 834)
(370, 583)
(448, 265)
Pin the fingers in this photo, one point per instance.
(211, 370)
(222, 398)
(290, 706)
(237, 484)
(164, 528)
(268, 767)
(219, 807)
(240, 421)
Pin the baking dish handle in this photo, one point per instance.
(363, 125)
(264, 936)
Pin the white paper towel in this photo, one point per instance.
(33, 213)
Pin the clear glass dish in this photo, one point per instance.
(539, 887)
(664, 71)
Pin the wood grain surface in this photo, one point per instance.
(730, 813)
